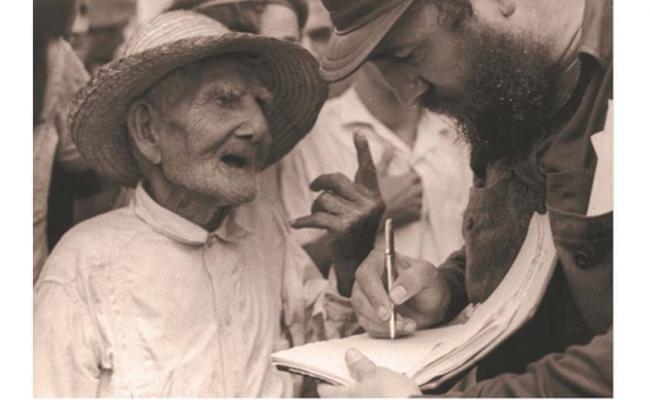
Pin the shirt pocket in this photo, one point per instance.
(584, 247)
(569, 190)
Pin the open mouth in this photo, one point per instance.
(236, 160)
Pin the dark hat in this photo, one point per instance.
(360, 26)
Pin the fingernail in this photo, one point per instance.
(398, 294)
(410, 327)
(383, 313)
(292, 221)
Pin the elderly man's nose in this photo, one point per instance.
(254, 126)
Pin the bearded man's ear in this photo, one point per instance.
(140, 123)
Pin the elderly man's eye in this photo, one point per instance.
(263, 97)
(226, 99)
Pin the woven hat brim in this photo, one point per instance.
(98, 117)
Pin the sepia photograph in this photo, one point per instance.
(323, 198)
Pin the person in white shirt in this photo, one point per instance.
(188, 290)
(423, 168)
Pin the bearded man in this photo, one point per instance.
(188, 290)
(530, 83)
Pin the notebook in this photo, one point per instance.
(432, 356)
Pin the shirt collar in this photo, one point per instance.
(234, 228)
(354, 112)
(597, 30)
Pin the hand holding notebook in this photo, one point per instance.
(431, 356)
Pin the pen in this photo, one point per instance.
(388, 259)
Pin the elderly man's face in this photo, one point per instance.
(214, 136)
(494, 82)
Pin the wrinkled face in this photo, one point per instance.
(279, 21)
(214, 134)
(494, 83)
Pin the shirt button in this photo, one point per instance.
(470, 224)
(228, 320)
(581, 259)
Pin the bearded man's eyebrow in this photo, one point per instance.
(389, 52)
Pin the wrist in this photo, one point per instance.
(345, 270)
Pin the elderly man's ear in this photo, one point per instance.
(141, 122)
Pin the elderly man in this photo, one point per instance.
(531, 84)
(188, 290)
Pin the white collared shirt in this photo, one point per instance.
(142, 302)
(438, 156)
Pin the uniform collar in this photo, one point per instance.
(597, 30)
(234, 228)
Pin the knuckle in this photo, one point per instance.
(359, 277)
(339, 177)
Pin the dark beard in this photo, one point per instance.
(503, 102)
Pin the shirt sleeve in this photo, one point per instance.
(295, 194)
(453, 272)
(581, 371)
(66, 346)
(312, 308)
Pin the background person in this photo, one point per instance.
(60, 174)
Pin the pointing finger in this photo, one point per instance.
(366, 174)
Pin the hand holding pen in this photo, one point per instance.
(419, 294)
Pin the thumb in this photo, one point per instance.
(366, 174)
(413, 276)
(359, 365)
(330, 391)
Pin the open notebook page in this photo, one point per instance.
(431, 353)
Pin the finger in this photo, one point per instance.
(331, 204)
(413, 276)
(403, 326)
(386, 158)
(330, 391)
(369, 280)
(338, 184)
(318, 220)
(366, 174)
(359, 365)
(369, 317)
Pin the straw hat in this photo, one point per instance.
(169, 41)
